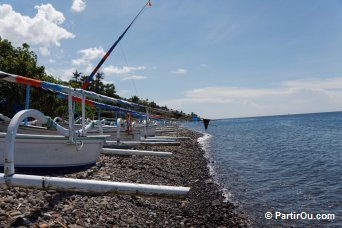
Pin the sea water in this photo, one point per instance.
(280, 170)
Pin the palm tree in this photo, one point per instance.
(98, 84)
(76, 75)
(109, 90)
(135, 99)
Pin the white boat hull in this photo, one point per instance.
(124, 135)
(52, 151)
(148, 131)
(111, 132)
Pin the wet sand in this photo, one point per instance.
(203, 206)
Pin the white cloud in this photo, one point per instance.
(87, 55)
(79, 62)
(296, 96)
(62, 74)
(124, 92)
(96, 53)
(78, 5)
(92, 53)
(108, 82)
(134, 77)
(42, 30)
(44, 51)
(123, 70)
(181, 71)
(314, 84)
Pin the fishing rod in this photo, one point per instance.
(90, 77)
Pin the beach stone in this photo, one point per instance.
(104, 202)
(153, 214)
(43, 225)
(55, 215)
(22, 194)
(215, 203)
(21, 221)
(184, 204)
(3, 217)
(7, 199)
(15, 213)
(188, 165)
(40, 194)
(47, 216)
(130, 220)
(47, 195)
(106, 177)
(75, 226)
(67, 208)
(209, 181)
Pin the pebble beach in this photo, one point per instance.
(204, 205)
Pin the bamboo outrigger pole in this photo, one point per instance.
(90, 77)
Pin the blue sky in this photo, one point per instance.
(217, 58)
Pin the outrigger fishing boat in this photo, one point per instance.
(82, 148)
(133, 134)
(54, 151)
(71, 149)
(82, 141)
(72, 138)
(50, 156)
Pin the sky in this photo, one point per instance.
(219, 59)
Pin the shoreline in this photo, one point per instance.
(205, 204)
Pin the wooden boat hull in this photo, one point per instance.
(52, 151)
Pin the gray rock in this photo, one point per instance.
(15, 213)
(215, 203)
(209, 181)
(21, 221)
(47, 216)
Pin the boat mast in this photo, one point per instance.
(90, 77)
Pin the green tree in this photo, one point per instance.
(22, 61)
(109, 90)
(135, 99)
(97, 85)
(76, 76)
(153, 104)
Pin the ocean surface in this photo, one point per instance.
(289, 166)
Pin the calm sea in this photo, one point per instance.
(289, 166)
